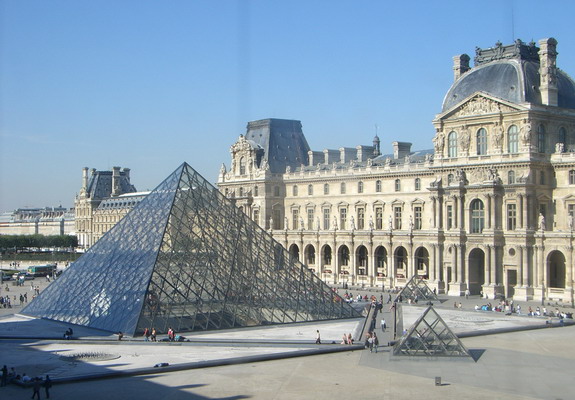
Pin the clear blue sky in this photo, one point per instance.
(150, 84)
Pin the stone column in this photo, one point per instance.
(461, 264)
(434, 210)
(489, 213)
(432, 267)
(569, 274)
(523, 280)
(371, 265)
(454, 278)
(521, 207)
(462, 223)
(487, 251)
(455, 214)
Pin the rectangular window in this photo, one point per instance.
(310, 216)
(417, 218)
(571, 210)
(449, 217)
(295, 218)
(378, 218)
(360, 218)
(396, 217)
(326, 219)
(572, 177)
(342, 218)
(511, 217)
(257, 216)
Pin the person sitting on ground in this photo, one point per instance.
(25, 378)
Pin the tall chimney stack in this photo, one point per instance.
(548, 71)
(460, 65)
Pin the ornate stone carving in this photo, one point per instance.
(479, 105)
(439, 142)
(559, 147)
(525, 132)
(497, 136)
(464, 138)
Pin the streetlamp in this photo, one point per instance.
(542, 293)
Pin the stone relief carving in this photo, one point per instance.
(497, 136)
(464, 138)
(439, 142)
(525, 132)
(479, 105)
(559, 148)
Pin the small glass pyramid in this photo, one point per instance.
(430, 336)
(416, 288)
(186, 257)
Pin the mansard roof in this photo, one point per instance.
(282, 140)
(510, 73)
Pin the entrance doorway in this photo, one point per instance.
(511, 282)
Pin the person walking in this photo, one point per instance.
(383, 325)
(375, 341)
(4, 375)
(317, 337)
(36, 388)
(47, 386)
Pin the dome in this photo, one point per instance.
(509, 73)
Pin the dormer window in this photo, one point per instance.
(242, 166)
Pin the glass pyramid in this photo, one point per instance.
(186, 257)
(417, 288)
(430, 336)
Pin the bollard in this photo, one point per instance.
(438, 381)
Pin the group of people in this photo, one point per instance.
(509, 307)
(347, 339)
(10, 376)
(150, 334)
(371, 341)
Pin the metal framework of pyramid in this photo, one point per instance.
(430, 336)
(416, 286)
(186, 257)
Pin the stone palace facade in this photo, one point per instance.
(489, 208)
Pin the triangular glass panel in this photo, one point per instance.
(430, 336)
(186, 257)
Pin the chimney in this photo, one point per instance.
(85, 178)
(548, 71)
(116, 181)
(376, 144)
(460, 65)
(401, 149)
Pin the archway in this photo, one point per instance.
(343, 256)
(400, 260)
(381, 261)
(476, 264)
(556, 270)
(294, 252)
(309, 255)
(422, 263)
(361, 260)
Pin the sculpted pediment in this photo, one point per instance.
(479, 104)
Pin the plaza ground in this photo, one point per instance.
(525, 364)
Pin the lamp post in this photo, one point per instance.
(542, 294)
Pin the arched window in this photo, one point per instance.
(342, 188)
(541, 138)
(417, 184)
(360, 187)
(481, 142)
(294, 190)
(397, 185)
(511, 177)
(378, 186)
(513, 139)
(477, 216)
(326, 188)
(242, 166)
(452, 144)
(310, 190)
